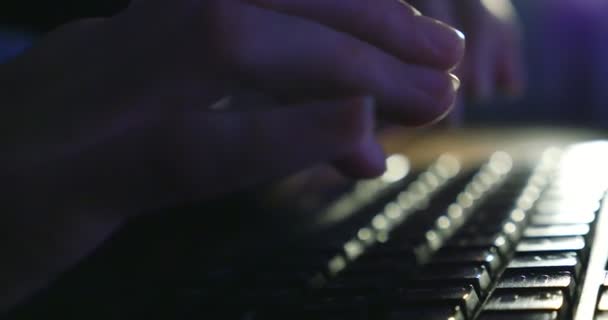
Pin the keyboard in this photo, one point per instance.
(497, 240)
(456, 229)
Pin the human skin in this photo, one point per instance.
(105, 119)
(493, 61)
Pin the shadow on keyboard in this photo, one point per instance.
(502, 226)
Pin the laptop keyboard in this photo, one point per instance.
(500, 241)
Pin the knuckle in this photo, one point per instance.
(226, 40)
(350, 59)
(356, 124)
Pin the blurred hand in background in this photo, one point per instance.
(493, 61)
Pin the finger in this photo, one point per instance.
(259, 145)
(441, 10)
(394, 26)
(456, 117)
(199, 154)
(313, 61)
(368, 160)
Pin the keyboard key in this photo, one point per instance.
(395, 263)
(566, 206)
(487, 257)
(446, 226)
(426, 313)
(358, 308)
(351, 282)
(547, 245)
(464, 297)
(519, 315)
(554, 262)
(286, 278)
(601, 316)
(564, 218)
(603, 300)
(550, 280)
(557, 231)
(415, 253)
(329, 310)
(511, 230)
(442, 276)
(499, 242)
(490, 215)
(544, 300)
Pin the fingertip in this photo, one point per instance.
(445, 115)
(412, 9)
(357, 118)
(449, 43)
(455, 82)
(368, 160)
(444, 102)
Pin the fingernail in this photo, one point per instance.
(455, 82)
(460, 34)
(447, 44)
(414, 10)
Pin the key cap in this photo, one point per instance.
(426, 313)
(500, 242)
(323, 310)
(549, 280)
(521, 315)
(569, 218)
(415, 251)
(487, 257)
(370, 282)
(473, 229)
(446, 226)
(465, 297)
(331, 311)
(548, 245)
(556, 194)
(554, 262)
(601, 316)
(511, 230)
(603, 300)
(441, 276)
(566, 206)
(395, 263)
(545, 300)
(279, 279)
(491, 215)
(557, 231)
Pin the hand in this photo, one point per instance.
(493, 60)
(141, 133)
(105, 119)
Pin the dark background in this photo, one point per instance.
(45, 15)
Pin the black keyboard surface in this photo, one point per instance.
(499, 241)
